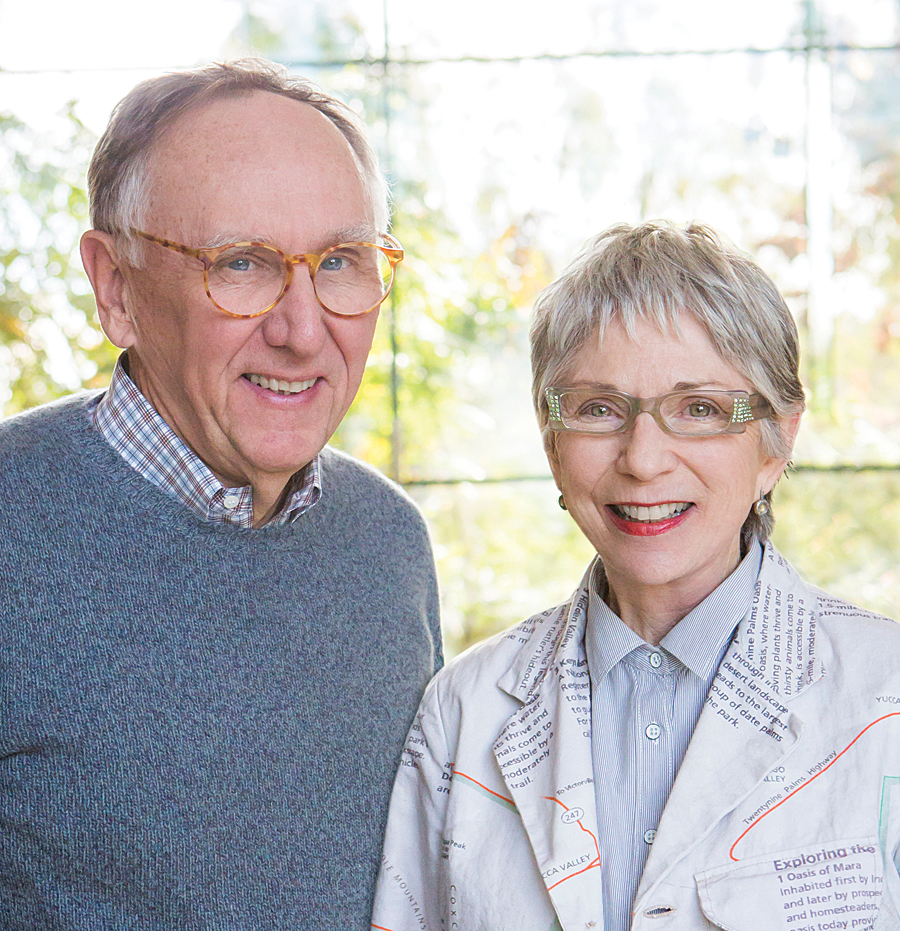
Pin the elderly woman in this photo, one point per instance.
(697, 738)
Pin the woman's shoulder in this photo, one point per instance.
(842, 617)
(478, 679)
(839, 616)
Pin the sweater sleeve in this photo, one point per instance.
(411, 894)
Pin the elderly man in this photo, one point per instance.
(215, 629)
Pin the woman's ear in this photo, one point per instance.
(104, 267)
(551, 451)
(790, 426)
(775, 466)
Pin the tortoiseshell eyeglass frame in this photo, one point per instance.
(393, 251)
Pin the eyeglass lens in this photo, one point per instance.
(686, 413)
(350, 279)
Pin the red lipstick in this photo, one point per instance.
(648, 529)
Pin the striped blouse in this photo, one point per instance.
(645, 702)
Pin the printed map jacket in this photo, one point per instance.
(785, 813)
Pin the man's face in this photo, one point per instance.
(256, 167)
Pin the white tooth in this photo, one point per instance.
(254, 379)
(284, 386)
(653, 513)
(296, 386)
(263, 382)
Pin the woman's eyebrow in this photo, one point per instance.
(705, 383)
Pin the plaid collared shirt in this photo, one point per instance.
(135, 430)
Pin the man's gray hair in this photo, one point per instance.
(655, 272)
(118, 175)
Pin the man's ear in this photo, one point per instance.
(104, 268)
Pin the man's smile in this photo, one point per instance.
(280, 386)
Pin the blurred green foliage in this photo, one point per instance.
(50, 338)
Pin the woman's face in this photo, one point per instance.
(709, 484)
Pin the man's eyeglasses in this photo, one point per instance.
(706, 412)
(247, 279)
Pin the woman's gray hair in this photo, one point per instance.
(655, 272)
(118, 176)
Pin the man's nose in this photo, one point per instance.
(297, 321)
(646, 449)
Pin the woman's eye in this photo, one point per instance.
(702, 409)
(598, 409)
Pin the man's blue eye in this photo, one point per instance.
(334, 263)
(241, 264)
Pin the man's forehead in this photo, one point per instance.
(244, 167)
(260, 117)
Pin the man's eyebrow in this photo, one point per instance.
(363, 232)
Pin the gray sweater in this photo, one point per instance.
(199, 724)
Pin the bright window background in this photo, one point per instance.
(512, 132)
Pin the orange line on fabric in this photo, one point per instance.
(893, 714)
(594, 863)
(456, 772)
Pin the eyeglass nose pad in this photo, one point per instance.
(290, 265)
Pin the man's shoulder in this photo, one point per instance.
(40, 427)
(353, 483)
(48, 458)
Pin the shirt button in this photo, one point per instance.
(653, 731)
(655, 660)
(650, 836)
(231, 501)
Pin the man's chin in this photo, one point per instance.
(273, 468)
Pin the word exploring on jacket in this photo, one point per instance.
(838, 886)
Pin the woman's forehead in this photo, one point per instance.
(652, 358)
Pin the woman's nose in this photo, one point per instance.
(646, 449)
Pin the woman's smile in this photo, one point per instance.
(641, 520)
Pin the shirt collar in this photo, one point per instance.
(698, 640)
(135, 430)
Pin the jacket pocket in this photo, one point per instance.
(831, 886)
